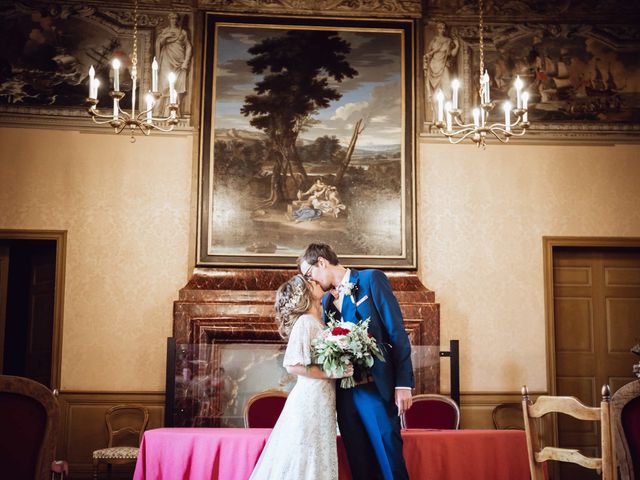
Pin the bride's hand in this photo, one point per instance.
(348, 371)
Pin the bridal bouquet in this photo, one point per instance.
(344, 343)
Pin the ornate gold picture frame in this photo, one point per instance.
(307, 136)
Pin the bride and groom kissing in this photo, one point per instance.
(302, 445)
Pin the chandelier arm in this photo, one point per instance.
(119, 128)
(144, 128)
(503, 140)
(519, 133)
(162, 129)
(142, 118)
(463, 125)
(126, 115)
(451, 136)
(104, 121)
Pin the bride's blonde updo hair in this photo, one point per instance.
(293, 298)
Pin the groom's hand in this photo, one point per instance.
(403, 400)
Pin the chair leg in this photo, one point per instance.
(109, 470)
(96, 466)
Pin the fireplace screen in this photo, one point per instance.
(208, 385)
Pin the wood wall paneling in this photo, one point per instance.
(83, 428)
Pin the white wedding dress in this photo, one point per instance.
(302, 445)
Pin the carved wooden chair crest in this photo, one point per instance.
(545, 404)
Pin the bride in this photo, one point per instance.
(302, 445)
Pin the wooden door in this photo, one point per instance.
(4, 283)
(596, 321)
(40, 313)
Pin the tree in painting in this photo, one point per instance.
(297, 69)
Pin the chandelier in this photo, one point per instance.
(143, 120)
(450, 119)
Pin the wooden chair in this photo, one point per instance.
(508, 416)
(125, 425)
(29, 420)
(625, 417)
(431, 410)
(532, 412)
(263, 409)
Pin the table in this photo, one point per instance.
(231, 453)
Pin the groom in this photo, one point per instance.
(368, 414)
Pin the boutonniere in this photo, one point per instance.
(349, 289)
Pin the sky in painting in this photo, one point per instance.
(375, 94)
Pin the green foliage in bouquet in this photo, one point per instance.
(344, 343)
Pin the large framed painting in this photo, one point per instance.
(580, 63)
(307, 136)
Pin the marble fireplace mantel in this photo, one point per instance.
(235, 305)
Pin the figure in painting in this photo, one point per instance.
(173, 52)
(438, 63)
(322, 199)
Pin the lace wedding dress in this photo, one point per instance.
(302, 445)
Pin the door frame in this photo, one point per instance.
(549, 243)
(60, 237)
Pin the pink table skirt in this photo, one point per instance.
(231, 453)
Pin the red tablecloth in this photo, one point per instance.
(231, 453)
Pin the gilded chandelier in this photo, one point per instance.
(143, 120)
(450, 119)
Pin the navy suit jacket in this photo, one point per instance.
(373, 298)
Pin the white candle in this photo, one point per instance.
(115, 109)
(525, 101)
(487, 93)
(447, 109)
(455, 86)
(116, 74)
(476, 117)
(149, 99)
(440, 99)
(507, 116)
(96, 84)
(154, 75)
(173, 97)
(92, 74)
(518, 84)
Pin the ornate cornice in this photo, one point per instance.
(351, 8)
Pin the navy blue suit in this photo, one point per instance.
(367, 414)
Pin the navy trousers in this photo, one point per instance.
(370, 430)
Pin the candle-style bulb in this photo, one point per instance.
(116, 74)
(92, 74)
(149, 99)
(154, 75)
(455, 86)
(476, 117)
(173, 97)
(518, 84)
(525, 102)
(507, 115)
